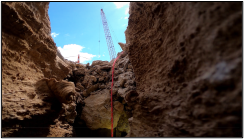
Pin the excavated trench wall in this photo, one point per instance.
(29, 107)
(187, 59)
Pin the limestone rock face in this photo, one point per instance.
(187, 60)
(97, 111)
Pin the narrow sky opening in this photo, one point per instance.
(77, 28)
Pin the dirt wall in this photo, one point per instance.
(187, 59)
(28, 55)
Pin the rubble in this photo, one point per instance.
(95, 87)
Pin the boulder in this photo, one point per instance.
(97, 112)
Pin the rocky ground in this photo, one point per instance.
(179, 75)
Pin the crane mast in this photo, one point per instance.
(109, 40)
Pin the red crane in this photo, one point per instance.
(109, 40)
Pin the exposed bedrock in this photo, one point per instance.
(187, 60)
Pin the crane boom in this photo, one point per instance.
(109, 40)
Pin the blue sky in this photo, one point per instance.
(77, 28)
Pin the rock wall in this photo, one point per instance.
(187, 59)
(28, 55)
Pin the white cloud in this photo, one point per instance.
(126, 17)
(71, 52)
(127, 11)
(54, 34)
(103, 55)
(124, 25)
(99, 56)
(121, 4)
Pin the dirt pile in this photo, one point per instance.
(28, 55)
(94, 84)
(187, 59)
